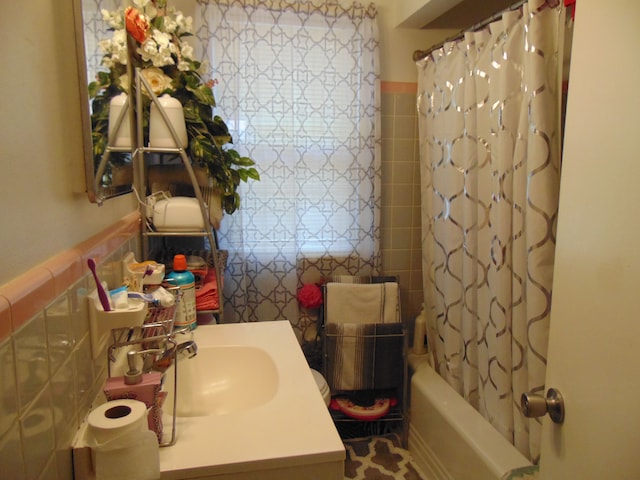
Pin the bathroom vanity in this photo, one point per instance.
(249, 408)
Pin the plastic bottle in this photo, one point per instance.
(420, 332)
(183, 278)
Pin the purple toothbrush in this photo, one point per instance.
(102, 295)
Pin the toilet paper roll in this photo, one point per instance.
(123, 446)
(112, 420)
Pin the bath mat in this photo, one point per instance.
(378, 458)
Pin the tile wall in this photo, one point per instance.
(48, 378)
(401, 249)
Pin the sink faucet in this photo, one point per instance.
(188, 349)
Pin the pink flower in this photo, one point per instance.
(310, 296)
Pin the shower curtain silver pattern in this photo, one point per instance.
(489, 119)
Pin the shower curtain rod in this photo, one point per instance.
(420, 54)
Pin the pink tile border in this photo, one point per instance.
(26, 295)
(66, 268)
(5, 318)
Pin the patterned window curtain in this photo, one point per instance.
(490, 166)
(298, 85)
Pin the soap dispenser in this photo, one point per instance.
(136, 385)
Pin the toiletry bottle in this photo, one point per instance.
(135, 385)
(419, 333)
(183, 278)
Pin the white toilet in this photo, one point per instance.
(322, 386)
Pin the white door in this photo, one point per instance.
(594, 345)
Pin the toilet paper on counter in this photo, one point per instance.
(122, 445)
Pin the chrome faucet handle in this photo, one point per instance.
(188, 348)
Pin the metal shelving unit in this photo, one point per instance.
(140, 176)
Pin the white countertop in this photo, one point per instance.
(293, 428)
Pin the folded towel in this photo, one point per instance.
(207, 296)
(362, 303)
(364, 356)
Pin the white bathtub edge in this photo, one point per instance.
(424, 459)
(463, 435)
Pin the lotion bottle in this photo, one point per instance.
(186, 315)
(419, 333)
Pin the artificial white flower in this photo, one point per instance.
(140, 3)
(113, 19)
(151, 11)
(121, 56)
(123, 82)
(120, 37)
(161, 38)
(187, 50)
(115, 49)
(170, 25)
(162, 60)
(105, 45)
(158, 81)
(184, 23)
(148, 50)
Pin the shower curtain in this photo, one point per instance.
(490, 136)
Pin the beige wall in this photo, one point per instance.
(398, 44)
(40, 141)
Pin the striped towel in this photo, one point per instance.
(364, 356)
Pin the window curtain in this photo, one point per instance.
(490, 141)
(298, 85)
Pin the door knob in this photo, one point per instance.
(533, 405)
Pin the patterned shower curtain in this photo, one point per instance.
(490, 136)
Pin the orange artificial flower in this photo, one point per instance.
(137, 26)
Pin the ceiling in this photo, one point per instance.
(447, 14)
(468, 13)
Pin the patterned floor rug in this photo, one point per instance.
(378, 458)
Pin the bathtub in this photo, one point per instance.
(448, 438)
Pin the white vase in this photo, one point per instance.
(215, 208)
(159, 133)
(123, 136)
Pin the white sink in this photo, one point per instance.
(223, 379)
(249, 407)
